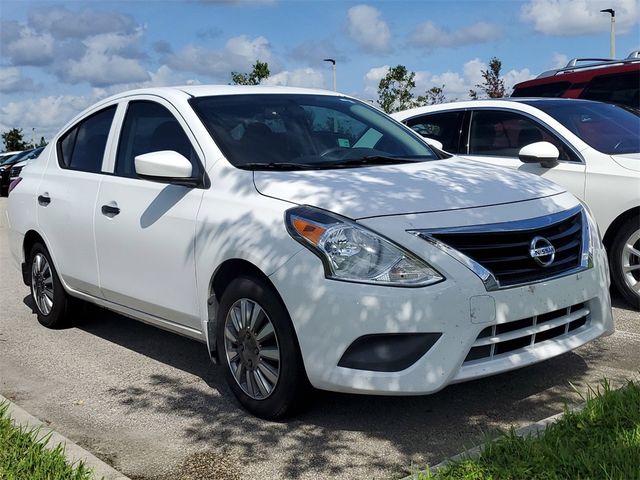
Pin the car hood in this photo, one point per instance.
(630, 161)
(405, 188)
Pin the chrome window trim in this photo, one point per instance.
(491, 283)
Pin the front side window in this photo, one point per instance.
(294, 132)
(608, 128)
(503, 134)
(444, 127)
(150, 127)
(82, 147)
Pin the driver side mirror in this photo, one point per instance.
(434, 143)
(544, 153)
(166, 166)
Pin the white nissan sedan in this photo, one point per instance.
(590, 148)
(307, 239)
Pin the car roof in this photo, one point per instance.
(490, 102)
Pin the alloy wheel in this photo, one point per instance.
(251, 349)
(631, 262)
(42, 283)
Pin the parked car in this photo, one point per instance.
(605, 80)
(305, 236)
(5, 167)
(590, 148)
(6, 155)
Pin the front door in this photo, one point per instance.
(145, 230)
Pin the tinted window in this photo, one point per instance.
(555, 89)
(444, 127)
(295, 132)
(82, 148)
(503, 134)
(622, 88)
(150, 127)
(608, 128)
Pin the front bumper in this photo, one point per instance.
(329, 316)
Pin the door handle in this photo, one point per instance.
(44, 199)
(110, 210)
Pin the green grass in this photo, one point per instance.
(23, 457)
(600, 442)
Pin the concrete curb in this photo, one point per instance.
(531, 429)
(74, 452)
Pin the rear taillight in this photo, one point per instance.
(13, 184)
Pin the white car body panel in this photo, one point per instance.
(156, 259)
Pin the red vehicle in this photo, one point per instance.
(605, 80)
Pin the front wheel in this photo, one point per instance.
(624, 261)
(259, 350)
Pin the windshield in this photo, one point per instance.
(608, 128)
(296, 132)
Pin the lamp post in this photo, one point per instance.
(333, 64)
(612, 12)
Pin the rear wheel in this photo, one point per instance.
(51, 301)
(624, 261)
(259, 350)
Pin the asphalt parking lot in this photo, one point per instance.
(146, 401)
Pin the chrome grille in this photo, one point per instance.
(509, 337)
(504, 249)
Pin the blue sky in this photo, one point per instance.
(57, 58)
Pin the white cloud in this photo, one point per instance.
(239, 54)
(372, 79)
(28, 47)
(63, 23)
(430, 36)
(559, 60)
(368, 29)
(303, 77)
(578, 17)
(12, 80)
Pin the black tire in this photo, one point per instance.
(58, 315)
(292, 385)
(618, 257)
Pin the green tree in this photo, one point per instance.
(259, 72)
(432, 96)
(14, 140)
(493, 84)
(395, 90)
(43, 142)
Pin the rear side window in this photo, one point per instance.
(621, 88)
(503, 134)
(444, 127)
(150, 127)
(555, 89)
(82, 147)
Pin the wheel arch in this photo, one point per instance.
(226, 272)
(30, 239)
(614, 226)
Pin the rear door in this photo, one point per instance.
(67, 196)
(145, 230)
(496, 136)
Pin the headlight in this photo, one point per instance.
(353, 253)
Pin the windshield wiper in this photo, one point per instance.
(372, 160)
(276, 166)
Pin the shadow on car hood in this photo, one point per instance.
(405, 188)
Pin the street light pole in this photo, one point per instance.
(612, 12)
(333, 63)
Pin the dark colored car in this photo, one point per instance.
(5, 167)
(611, 81)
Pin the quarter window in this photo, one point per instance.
(444, 127)
(150, 127)
(503, 134)
(82, 147)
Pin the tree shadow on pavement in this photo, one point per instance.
(326, 438)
